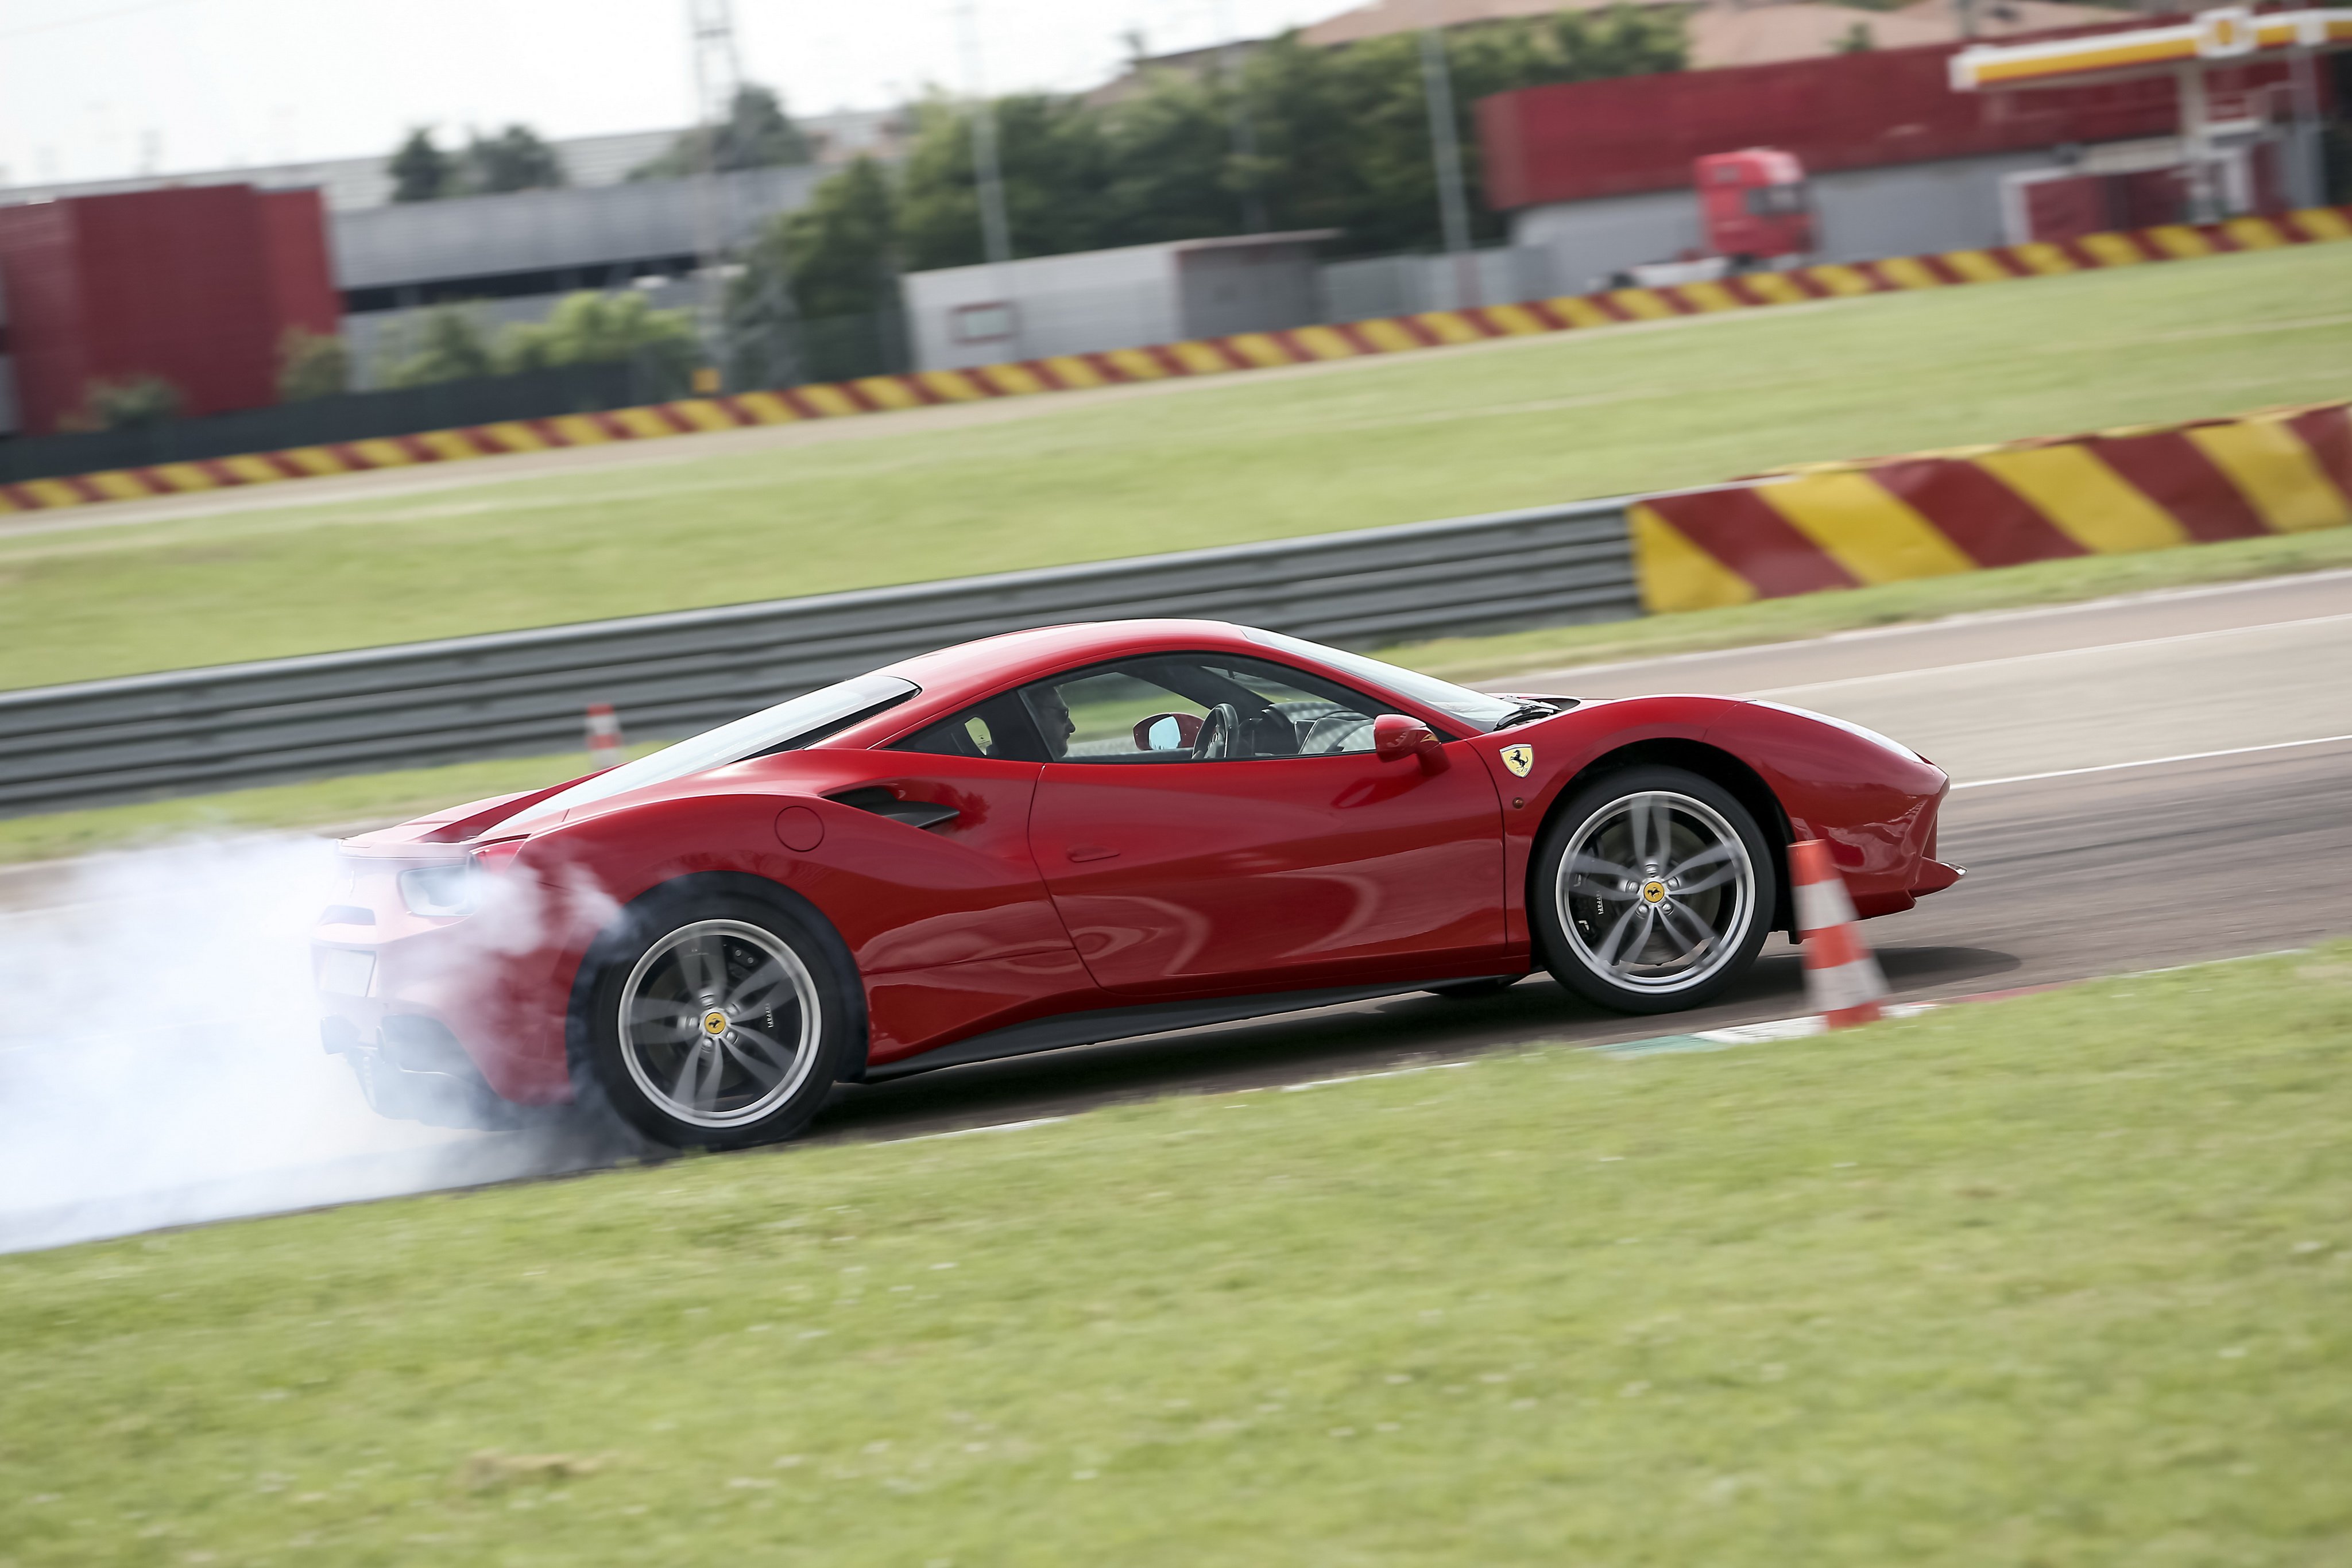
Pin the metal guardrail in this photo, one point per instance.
(523, 693)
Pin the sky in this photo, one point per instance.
(93, 90)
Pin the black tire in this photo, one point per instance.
(1471, 990)
(745, 1012)
(1613, 938)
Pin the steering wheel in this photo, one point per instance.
(1218, 727)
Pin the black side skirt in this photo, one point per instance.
(1125, 1023)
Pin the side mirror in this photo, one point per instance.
(1396, 738)
(1166, 732)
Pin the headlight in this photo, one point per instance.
(438, 890)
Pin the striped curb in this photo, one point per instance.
(1843, 525)
(1213, 355)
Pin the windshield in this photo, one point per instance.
(1471, 707)
(783, 728)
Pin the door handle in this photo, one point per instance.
(1092, 852)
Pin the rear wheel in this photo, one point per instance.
(719, 1021)
(1652, 891)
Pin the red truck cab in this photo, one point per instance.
(1755, 204)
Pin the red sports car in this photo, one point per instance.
(1073, 834)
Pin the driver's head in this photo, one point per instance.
(1054, 720)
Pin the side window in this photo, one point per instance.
(1301, 717)
(1196, 707)
(997, 728)
(1119, 713)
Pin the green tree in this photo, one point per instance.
(443, 343)
(756, 134)
(420, 170)
(1344, 134)
(516, 159)
(1174, 173)
(1056, 159)
(311, 365)
(622, 327)
(817, 296)
(1342, 141)
(842, 247)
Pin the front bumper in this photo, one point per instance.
(1934, 877)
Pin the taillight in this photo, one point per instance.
(446, 891)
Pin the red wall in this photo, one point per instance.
(294, 225)
(1628, 134)
(194, 285)
(44, 345)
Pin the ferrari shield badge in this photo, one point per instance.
(1519, 759)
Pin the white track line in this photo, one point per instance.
(1359, 1077)
(990, 1127)
(2150, 762)
(2052, 653)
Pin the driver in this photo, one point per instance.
(1052, 711)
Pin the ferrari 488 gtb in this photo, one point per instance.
(1075, 834)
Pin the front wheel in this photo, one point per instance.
(1652, 891)
(719, 1021)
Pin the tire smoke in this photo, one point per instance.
(160, 1061)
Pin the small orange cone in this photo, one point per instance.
(1842, 979)
(603, 737)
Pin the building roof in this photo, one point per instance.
(355, 184)
(1735, 32)
(2002, 18)
(1760, 35)
(1381, 17)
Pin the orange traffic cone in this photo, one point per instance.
(603, 737)
(1842, 979)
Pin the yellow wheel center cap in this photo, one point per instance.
(714, 1022)
(1654, 891)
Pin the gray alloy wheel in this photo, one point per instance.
(1654, 891)
(1657, 893)
(719, 1024)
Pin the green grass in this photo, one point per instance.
(1395, 441)
(391, 797)
(2058, 1280)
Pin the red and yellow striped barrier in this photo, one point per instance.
(1214, 356)
(1845, 525)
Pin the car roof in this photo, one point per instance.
(1017, 656)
